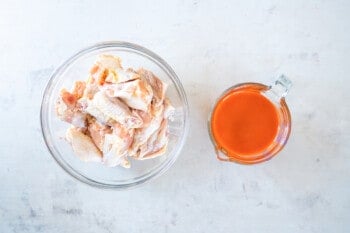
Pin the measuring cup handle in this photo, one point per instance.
(281, 86)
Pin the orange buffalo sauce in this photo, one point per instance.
(244, 122)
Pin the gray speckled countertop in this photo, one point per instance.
(211, 46)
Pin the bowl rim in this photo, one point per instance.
(140, 50)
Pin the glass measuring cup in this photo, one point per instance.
(250, 122)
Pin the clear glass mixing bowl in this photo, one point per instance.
(77, 68)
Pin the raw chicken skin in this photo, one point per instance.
(143, 134)
(137, 94)
(115, 148)
(156, 144)
(98, 132)
(159, 87)
(83, 146)
(117, 110)
(68, 109)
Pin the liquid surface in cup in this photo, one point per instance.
(244, 122)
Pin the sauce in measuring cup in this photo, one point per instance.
(251, 122)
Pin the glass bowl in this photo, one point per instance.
(96, 174)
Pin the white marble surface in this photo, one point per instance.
(211, 46)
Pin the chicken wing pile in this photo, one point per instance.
(116, 114)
